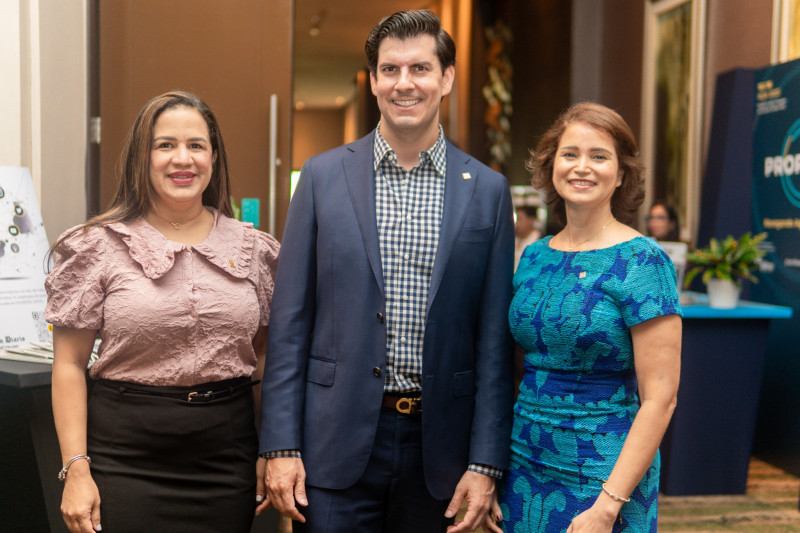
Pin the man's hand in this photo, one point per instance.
(286, 484)
(262, 500)
(478, 490)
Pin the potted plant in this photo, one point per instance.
(724, 265)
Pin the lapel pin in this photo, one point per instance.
(582, 275)
(231, 263)
(466, 176)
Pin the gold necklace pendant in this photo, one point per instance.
(569, 234)
(176, 225)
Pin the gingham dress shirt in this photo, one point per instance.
(408, 206)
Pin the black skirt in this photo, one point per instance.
(167, 464)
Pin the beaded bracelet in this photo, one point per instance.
(615, 496)
(62, 474)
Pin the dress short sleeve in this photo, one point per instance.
(650, 287)
(265, 254)
(75, 293)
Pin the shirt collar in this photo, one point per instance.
(436, 153)
(229, 246)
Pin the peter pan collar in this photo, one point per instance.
(229, 246)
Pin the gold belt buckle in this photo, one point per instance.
(191, 395)
(409, 406)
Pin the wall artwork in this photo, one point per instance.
(785, 30)
(673, 58)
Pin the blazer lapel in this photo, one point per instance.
(458, 187)
(361, 183)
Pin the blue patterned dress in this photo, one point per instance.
(571, 313)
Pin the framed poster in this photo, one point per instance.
(23, 256)
(672, 102)
(785, 30)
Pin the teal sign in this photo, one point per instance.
(776, 179)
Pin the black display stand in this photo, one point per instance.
(708, 444)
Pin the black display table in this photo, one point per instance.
(706, 449)
(30, 494)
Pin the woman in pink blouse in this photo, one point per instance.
(179, 294)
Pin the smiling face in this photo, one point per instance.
(181, 159)
(586, 167)
(409, 85)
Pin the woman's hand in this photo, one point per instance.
(80, 502)
(494, 516)
(262, 498)
(596, 519)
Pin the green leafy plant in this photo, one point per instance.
(730, 259)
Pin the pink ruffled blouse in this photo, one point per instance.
(167, 313)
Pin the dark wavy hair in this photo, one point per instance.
(408, 24)
(134, 195)
(628, 197)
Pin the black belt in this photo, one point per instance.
(193, 394)
(408, 405)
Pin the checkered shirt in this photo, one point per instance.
(408, 206)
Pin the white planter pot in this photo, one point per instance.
(722, 293)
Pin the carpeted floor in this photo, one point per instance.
(770, 506)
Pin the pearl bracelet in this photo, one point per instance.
(62, 474)
(616, 497)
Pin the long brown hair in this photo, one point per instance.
(627, 197)
(134, 196)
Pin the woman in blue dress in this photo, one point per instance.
(596, 311)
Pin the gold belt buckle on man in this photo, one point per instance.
(409, 406)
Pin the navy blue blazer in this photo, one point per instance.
(326, 354)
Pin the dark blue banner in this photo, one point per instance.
(776, 180)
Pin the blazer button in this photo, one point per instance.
(376, 372)
(380, 318)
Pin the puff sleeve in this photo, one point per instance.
(75, 292)
(265, 255)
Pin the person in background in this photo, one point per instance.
(662, 222)
(179, 293)
(596, 310)
(525, 230)
(388, 385)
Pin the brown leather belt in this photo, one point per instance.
(402, 404)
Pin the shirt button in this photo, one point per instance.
(380, 318)
(403, 340)
(376, 372)
(405, 298)
(405, 256)
(409, 217)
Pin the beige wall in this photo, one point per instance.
(315, 131)
(63, 114)
(42, 103)
(739, 36)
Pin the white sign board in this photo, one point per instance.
(23, 256)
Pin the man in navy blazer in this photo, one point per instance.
(387, 395)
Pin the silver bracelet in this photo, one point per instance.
(615, 496)
(62, 474)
